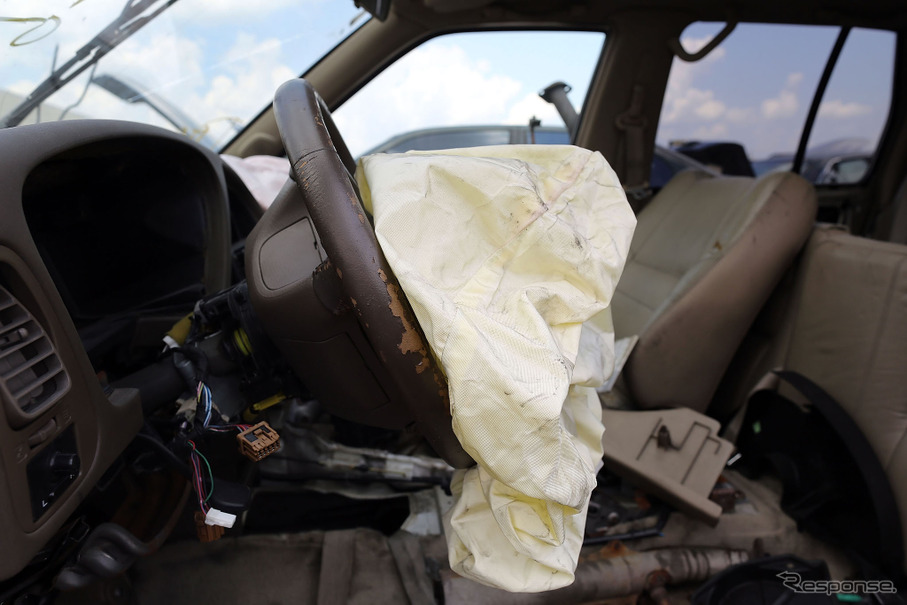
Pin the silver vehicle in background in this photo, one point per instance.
(665, 162)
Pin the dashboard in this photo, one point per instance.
(100, 222)
(115, 234)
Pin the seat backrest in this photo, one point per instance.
(705, 256)
(848, 334)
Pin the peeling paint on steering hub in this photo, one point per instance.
(411, 342)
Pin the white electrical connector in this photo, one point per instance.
(170, 343)
(219, 517)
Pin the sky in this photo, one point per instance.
(220, 61)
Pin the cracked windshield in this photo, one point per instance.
(203, 67)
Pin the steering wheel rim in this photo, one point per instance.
(323, 168)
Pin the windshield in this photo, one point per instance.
(202, 67)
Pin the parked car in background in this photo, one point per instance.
(665, 162)
(841, 162)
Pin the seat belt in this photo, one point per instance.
(633, 123)
(855, 441)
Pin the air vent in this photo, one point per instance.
(32, 378)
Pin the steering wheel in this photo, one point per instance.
(323, 169)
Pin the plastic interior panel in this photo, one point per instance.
(674, 454)
(102, 425)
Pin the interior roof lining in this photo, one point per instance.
(881, 14)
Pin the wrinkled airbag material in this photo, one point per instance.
(510, 256)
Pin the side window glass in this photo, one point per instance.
(853, 111)
(756, 88)
(484, 80)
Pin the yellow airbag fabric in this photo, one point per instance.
(509, 256)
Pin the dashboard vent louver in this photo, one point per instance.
(32, 377)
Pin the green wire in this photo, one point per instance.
(210, 474)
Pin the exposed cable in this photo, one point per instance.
(197, 477)
(203, 398)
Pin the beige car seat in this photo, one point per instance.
(847, 332)
(707, 252)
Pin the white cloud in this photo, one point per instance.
(153, 61)
(683, 100)
(212, 86)
(166, 62)
(73, 27)
(173, 67)
(695, 109)
(711, 109)
(785, 104)
(213, 95)
(22, 87)
(837, 109)
(434, 85)
(691, 105)
(739, 114)
(234, 94)
(217, 11)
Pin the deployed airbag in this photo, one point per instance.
(509, 256)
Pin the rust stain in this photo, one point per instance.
(441, 381)
(641, 501)
(339, 273)
(361, 218)
(353, 300)
(411, 342)
(718, 246)
(611, 550)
